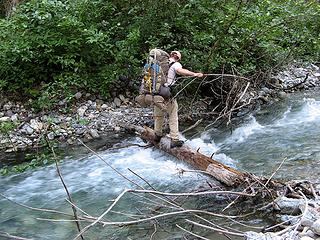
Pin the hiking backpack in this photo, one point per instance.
(155, 72)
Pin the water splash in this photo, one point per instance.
(308, 112)
(93, 175)
(240, 134)
(209, 148)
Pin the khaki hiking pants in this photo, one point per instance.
(171, 107)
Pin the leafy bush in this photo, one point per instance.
(52, 48)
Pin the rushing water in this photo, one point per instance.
(285, 133)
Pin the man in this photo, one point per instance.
(171, 104)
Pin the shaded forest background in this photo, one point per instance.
(52, 48)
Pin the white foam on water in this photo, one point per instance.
(93, 175)
(243, 132)
(204, 147)
(210, 148)
(309, 112)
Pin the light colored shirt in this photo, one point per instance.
(172, 73)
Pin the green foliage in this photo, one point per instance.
(33, 161)
(6, 127)
(52, 48)
(83, 121)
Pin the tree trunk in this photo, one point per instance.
(224, 174)
(9, 6)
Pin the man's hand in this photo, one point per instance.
(199, 75)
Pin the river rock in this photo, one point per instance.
(122, 98)
(94, 133)
(78, 95)
(7, 106)
(288, 205)
(306, 238)
(9, 113)
(36, 125)
(282, 95)
(50, 135)
(62, 102)
(104, 107)
(117, 102)
(310, 216)
(310, 233)
(5, 119)
(262, 236)
(27, 129)
(93, 105)
(14, 118)
(316, 227)
(80, 131)
(82, 110)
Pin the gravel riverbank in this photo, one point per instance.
(91, 118)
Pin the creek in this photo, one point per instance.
(284, 132)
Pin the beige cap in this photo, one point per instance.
(178, 54)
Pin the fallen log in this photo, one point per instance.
(224, 174)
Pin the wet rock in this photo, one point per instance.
(316, 227)
(288, 205)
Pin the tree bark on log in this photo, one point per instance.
(224, 174)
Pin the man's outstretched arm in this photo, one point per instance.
(186, 72)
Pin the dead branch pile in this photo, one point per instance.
(224, 95)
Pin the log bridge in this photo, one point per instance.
(222, 173)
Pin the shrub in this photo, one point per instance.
(51, 48)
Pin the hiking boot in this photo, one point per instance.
(157, 138)
(176, 143)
